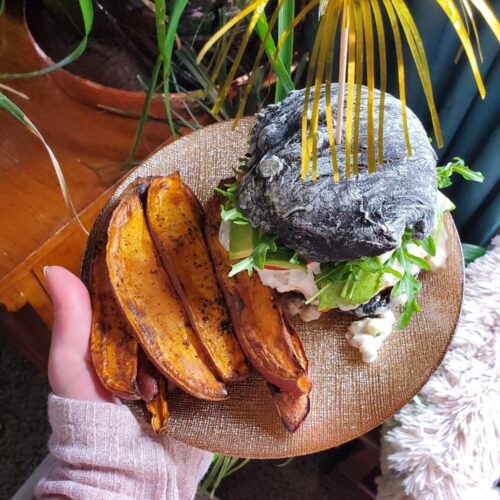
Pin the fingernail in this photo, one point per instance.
(45, 269)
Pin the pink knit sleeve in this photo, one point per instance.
(102, 451)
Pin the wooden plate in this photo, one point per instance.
(349, 397)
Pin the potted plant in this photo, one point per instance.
(121, 68)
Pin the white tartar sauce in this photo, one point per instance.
(367, 335)
(291, 280)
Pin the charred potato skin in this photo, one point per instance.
(292, 409)
(151, 306)
(175, 219)
(158, 407)
(113, 349)
(256, 315)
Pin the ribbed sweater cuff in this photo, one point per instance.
(102, 450)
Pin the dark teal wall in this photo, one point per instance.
(471, 126)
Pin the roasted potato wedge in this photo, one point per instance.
(292, 409)
(150, 303)
(298, 346)
(256, 316)
(158, 407)
(113, 348)
(175, 220)
(147, 378)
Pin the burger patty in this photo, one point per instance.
(377, 304)
(327, 221)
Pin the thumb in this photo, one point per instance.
(70, 370)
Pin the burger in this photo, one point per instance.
(354, 245)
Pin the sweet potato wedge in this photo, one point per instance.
(113, 348)
(292, 409)
(158, 407)
(175, 222)
(256, 315)
(150, 304)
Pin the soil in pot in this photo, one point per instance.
(122, 48)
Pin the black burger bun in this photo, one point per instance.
(359, 216)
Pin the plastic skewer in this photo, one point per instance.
(342, 71)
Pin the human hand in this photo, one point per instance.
(71, 372)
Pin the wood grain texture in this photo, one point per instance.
(30, 198)
(349, 397)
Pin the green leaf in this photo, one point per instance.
(472, 252)
(266, 243)
(456, 166)
(270, 48)
(235, 215)
(166, 38)
(285, 17)
(242, 265)
(88, 19)
(407, 313)
(409, 284)
(220, 468)
(144, 112)
(428, 244)
(200, 73)
(7, 105)
(398, 288)
(295, 259)
(389, 270)
(418, 261)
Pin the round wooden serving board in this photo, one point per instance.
(349, 397)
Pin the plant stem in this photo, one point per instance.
(88, 20)
(285, 52)
(144, 112)
(281, 73)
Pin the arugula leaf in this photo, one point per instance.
(242, 265)
(407, 313)
(456, 166)
(428, 244)
(409, 284)
(296, 259)
(235, 215)
(418, 261)
(230, 192)
(265, 244)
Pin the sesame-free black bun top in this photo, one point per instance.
(359, 216)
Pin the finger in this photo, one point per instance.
(70, 370)
(72, 311)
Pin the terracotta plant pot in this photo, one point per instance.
(111, 98)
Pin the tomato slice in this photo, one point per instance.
(275, 268)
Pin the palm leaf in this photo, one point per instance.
(361, 17)
(286, 15)
(7, 105)
(144, 113)
(165, 34)
(383, 77)
(263, 30)
(88, 20)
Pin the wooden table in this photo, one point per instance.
(35, 227)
